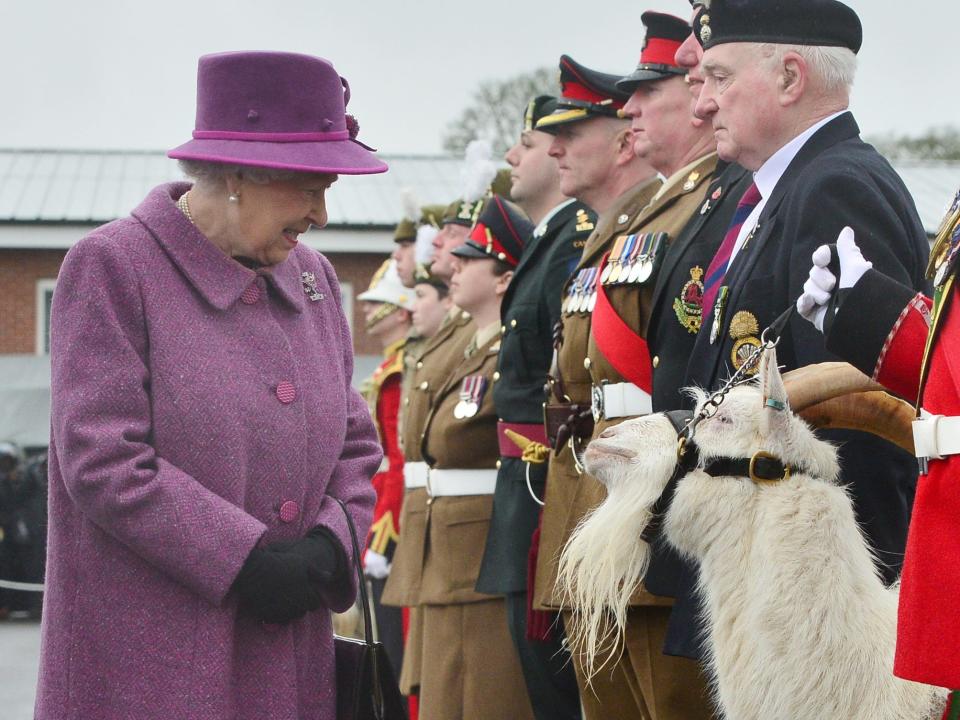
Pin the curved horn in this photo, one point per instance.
(813, 384)
(835, 395)
(874, 411)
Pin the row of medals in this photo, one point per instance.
(471, 394)
(632, 264)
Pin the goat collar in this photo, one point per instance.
(761, 468)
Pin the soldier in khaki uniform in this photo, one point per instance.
(603, 359)
(469, 667)
(424, 372)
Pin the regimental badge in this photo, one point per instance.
(717, 193)
(583, 221)
(705, 32)
(622, 220)
(471, 395)
(309, 281)
(689, 306)
(691, 181)
(745, 332)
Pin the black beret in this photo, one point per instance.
(827, 23)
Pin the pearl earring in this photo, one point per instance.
(234, 197)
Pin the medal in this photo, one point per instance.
(471, 394)
(718, 314)
(631, 264)
(645, 266)
(622, 268)
(613, 260)
(590, 299)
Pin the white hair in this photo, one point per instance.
(215, 173)
(833, 67)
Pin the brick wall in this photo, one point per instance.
(20, 270)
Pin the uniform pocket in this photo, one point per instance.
(461, 538)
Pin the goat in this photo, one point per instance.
(799, 624)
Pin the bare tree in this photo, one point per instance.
(497, 108)
(939, 143)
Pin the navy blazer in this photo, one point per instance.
(834, 181)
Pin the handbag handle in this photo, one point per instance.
(361, 582)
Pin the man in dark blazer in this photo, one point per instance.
(776, 90)
(529, 311)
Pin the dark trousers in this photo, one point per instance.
(389, 625)
(547, 669)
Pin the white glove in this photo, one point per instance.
(375, 565)
(820, 284)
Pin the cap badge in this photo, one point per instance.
(705, 32)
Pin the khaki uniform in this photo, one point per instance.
(652, 684)
(422, 376)
(469, 667)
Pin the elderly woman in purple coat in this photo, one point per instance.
(203, 423)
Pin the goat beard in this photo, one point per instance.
(603, 564)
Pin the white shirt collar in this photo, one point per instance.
(541, 227)
(773, 169)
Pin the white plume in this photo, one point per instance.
(479, 170)
(409, 204)
(423, 250)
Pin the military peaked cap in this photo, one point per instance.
(665, 34)
(585, 93)
(499, 233)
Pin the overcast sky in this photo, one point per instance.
(118, 74)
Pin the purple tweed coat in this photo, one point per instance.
(198, 408)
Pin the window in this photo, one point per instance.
(44, 301)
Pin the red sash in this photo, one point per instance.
(620, 344)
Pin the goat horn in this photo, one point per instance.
(873, 411)
(813, 384)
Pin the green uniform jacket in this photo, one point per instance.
(530, 309)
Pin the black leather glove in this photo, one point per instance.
(284, 581)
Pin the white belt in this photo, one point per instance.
(936, 436)
(619, 400)
(415, 475)
(445, 483)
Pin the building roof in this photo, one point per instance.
(96, 186)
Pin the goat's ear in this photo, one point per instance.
(776, 405)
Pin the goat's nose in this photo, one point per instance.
(609, 432)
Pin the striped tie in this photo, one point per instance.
(718, 266)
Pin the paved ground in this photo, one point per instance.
(19, 654)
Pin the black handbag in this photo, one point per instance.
(366, 686)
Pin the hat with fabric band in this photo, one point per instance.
(665, 35)
(278, 110)
(585, 93)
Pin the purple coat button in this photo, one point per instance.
(286, 393)
(289, 511)
(250, 295)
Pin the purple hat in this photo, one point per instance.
(276, 110)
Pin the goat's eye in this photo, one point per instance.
(725, 419)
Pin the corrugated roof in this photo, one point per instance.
(95, 186)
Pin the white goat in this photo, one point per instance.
(799, 623)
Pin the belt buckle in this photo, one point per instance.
(596, 402)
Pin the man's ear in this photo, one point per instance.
(793, 78)
(624, 145)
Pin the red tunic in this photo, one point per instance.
(928, 630)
